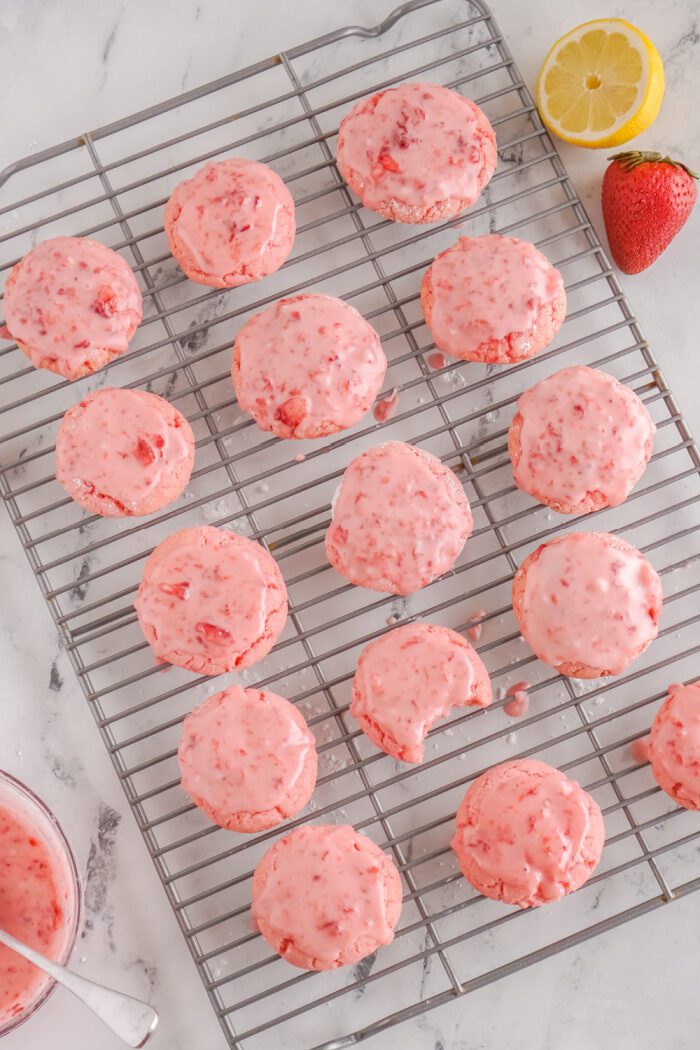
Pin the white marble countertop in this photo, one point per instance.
(72, 66)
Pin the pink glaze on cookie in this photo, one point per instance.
(400, 519)
(408, 679)
(674, 747)
(580, 440)
(417, 152)
(325, 896)
(211, 601)
(307, 367)
(588, 603)
(124, 452)
(247, 759)
(34, 907)
(72, 305)
(494, 299)
(231, 223)
(526, 834)
(639, 749)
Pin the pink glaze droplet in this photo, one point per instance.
(299, 458)
(639, 749)
(518, 706)
(518, 687)
(437, 360)
(474, 632)
(386, 406)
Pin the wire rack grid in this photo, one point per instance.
(112, 184)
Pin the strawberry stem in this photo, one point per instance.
(632, 158)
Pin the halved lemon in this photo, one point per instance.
(601, 84)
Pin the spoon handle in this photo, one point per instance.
(130, 1019)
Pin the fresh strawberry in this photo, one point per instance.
(647, 198)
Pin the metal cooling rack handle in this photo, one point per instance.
(131, 1020)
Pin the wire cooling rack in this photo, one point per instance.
(112, 184)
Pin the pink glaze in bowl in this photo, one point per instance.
(27, 824)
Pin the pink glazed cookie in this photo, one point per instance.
(325, 896)
(493, 299)
(417, 152)
(674, 747)
(231, 223)
(247, 759)
(211, 601)
(527, 835)
(400, 520)
(124, 452)
(580, 440)
(307, 367)
(72, 305)
(588, 603)
(408, 679)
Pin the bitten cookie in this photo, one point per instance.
(408, 679)
(124, 452)
(416, 153)
(400, 519)
(231, 223)
(588, 603)
(325, 896)
(247, 759)
(674, 746)
(580, 440)
(307, 367)
(211, 601)
(493, 299)
(527, 835)
(72, 305)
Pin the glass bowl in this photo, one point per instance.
(22, 802)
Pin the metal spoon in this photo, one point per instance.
(131, 1020)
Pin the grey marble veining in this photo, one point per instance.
(622, 990)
